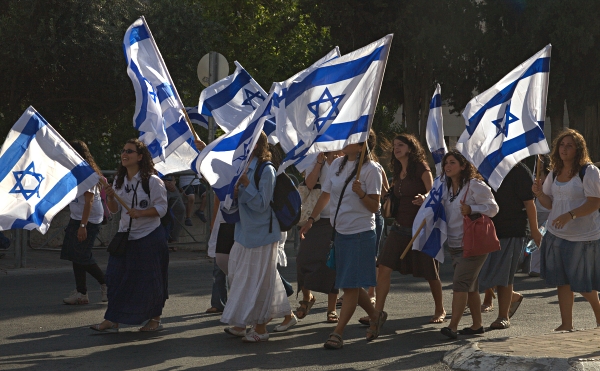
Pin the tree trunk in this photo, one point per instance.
(411, 95)
(591, 131)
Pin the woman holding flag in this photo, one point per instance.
(412, 181)
(466, 194)
(353, 220)
(137, 281)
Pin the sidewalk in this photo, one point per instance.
(576, 350)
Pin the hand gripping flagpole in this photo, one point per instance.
(185, 114)
(123, 203)
(410, 243)
(372, 113)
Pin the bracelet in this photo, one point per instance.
(321, 163)
(311, 218)
(363, 196)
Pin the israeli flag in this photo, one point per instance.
(505, 124)
(40, 174)
(196, 117)
(232, 99)
(331, 105)
(434, 133)
(433, 235)
(224, 160)
(158, 110)
(181, 159)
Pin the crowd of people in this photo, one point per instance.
(339, 250)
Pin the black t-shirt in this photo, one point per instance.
(511, 220)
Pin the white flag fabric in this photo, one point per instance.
(230, 100)
(434, 133)
(181, 159)
(433, 235)
(331, 105)
(224, 160)
(158, 110)
(40, 174)
(505, 124)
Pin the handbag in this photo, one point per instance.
(309, 199)
(390, 204)
(479, 234)
(118, 244)
(331, 257)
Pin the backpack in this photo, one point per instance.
(581, 172)
(168, 218)
(286, 204)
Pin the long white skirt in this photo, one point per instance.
(256, 292)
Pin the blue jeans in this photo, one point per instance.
(219, 288)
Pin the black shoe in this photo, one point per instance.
(448, 332)
(470, 331)
(200, 215)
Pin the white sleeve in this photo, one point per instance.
(158, 195)
(117, 192)
(373, 180)
(591, 182)
(485, 203)
(547, 186)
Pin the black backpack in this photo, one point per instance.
(581, 172)
(286, 199)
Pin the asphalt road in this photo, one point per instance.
(38, 332)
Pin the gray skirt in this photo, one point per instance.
(311, 261)
(466, 271)
(573, 263)
(500, 266)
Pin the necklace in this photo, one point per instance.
(452, 195)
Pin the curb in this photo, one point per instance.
(470, 358)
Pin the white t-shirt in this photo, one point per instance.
(322, 178)
(212, 241)
(142, 227)
(353, 216)
(97, 211)
(481, 200)
(570, 196)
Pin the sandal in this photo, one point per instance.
(378, 324)
(332, 317)
(152, 329)
(438, 319)
(335, 341)
(304, 308)
(514, 306)
(487, 308)
(366, 321)
(114, 327)
(500, 324)
(213, 310)
(338, 303)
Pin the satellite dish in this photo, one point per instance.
(204, 69)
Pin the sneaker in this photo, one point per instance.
(104, 291)
(200, 215)
(188, 222)
(254, 337)
(293, 321)
(76, 298)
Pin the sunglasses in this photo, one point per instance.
(128, 151)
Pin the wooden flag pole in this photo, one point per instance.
(362, 159)
(189, 122)
(413, 239)
(538, 170)
(119, 199)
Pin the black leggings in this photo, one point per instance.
(80, 275)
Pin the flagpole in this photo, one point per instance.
(538, 170)
(372, 114)
(162, 61)
(123, 203)
(413, 239)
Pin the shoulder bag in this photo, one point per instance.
(479, 234)
(118, 244)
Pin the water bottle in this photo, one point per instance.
(531, 246)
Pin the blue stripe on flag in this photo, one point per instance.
(138, 34)
(486, 168)
(141, 116)
(155, 148)
(71, 180)
(342, 131)
(332, 74)
(164, 91)
(433, 244)
(16, 150)
(176, 130)
(226, 95)
(541, 65)
(436, 102)
(269, 127)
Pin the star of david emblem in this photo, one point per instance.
(325, 108)
(435, 202)
(25, 176)
(243, 156)
(508, 119)
(249, 96)
(151, 91)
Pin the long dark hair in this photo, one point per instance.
(146, 165)
(371, 143)
(84, 152)
(416, 156)
(468, 173)
(582, 155)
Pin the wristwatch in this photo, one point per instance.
(81, 225)
(573, 216)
